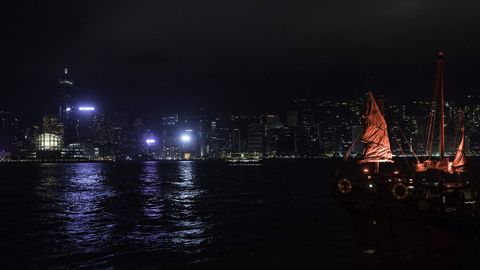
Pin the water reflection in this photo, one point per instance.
(189, 227)
(150, 178)
(136, 215)
(149, 230)
(154, 207)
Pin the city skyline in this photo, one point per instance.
(309, 128)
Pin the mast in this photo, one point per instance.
(438, 104)
(439, 86)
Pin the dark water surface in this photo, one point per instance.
(173, 214)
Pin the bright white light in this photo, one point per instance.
(185, 138)
(150, 141)
(370, 185)
(86, 108)
(68, 109)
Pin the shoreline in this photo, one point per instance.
(191, 160)
(152, 160)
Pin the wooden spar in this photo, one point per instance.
(439, 85)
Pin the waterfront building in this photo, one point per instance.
(125, 140)
(11, 137)
(103, 135)
(255, 137)
(51, 124)
(49, 142)
(280, 142)
(220, 141)
(48, 146)
(236, 140)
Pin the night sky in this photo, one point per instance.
(158, 57)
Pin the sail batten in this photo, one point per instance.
(375, 135)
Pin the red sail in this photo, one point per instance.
(442, 165)
(460, 159)
(457, 165)
(375, 135)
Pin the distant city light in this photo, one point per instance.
(150, 141)
(68, 109)
(185, 138)
(86, 108)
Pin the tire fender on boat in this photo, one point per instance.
(344, 185)
(400, 191)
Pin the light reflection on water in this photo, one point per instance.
(161, 214)
(168, 218)
(153, 207)
(95, 208)
(189, 226)
(84, 191)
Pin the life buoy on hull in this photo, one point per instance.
(400, 191)
(344, 185)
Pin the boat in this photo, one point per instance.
(436, 190)
(243, 159)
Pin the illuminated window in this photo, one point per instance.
(48, 142)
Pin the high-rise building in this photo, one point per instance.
(255, 137)
(292, 118)
(220, 140)
(272, 121)
(171, 120)
(51, 124)
(125, 140)
(65, 85)
(236, 141)
(67, 112)
(103, 135)
(10, 134)
(280, 142)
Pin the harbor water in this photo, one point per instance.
(180, 214)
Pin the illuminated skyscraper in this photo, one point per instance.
(236, 141)
(65, 85)
(50, 124)
(67, 113)
(103, 134)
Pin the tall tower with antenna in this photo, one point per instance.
(65, 85)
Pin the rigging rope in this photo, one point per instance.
(408, 143)
(347, 154)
